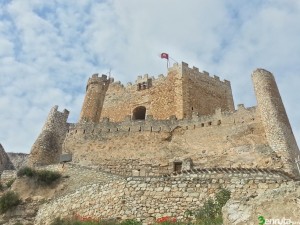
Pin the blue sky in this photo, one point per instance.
(48, 49)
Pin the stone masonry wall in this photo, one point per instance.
(93, 102)
(48, 146)
(275, 121)
(176, 94)
(159, 99)
(204, 94)
(151, 147)
(149, 198)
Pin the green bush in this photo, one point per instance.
(130, 222)
(47, 177)
(211, 211)
(1, 187)
(9, 200)
(26, 171)
(9, 183)
(44, 177)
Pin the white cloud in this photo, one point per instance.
(49, 49)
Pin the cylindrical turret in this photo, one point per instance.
(275, 121)
(93, 102)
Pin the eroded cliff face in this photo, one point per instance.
(281, 205)
(5, 163)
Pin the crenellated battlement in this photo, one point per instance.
(240, 116)
(95, 79)
(204, 76)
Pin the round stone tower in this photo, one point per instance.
(275, 121)
(93, 102)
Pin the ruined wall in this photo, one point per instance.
(204, 94)
(48, 146)
(149, 198)
(151, 147)
(276, 123)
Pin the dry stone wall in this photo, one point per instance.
(149, 198)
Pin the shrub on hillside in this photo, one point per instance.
(9, 183)
(26, 171)
(211, 211)
(47, 177)
(9, 200)
(44, 177)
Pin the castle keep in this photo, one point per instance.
(182, 121)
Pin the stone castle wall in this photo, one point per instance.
(48, 146)
(151, 147)
(94, 98)
(149, 198)
(203, 94)
(183, 91)
(160, 99)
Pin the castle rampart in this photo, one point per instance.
(228, 139)
(48, 146)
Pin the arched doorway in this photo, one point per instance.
(139, 113)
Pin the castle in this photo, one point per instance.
(182, 121)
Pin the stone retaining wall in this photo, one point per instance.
(148, 198)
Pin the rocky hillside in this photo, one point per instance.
(18, 159)
(281, 205)
(5, 163)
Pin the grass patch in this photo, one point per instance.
(59, 221)
(44, 177)
(8, 201)
(9, 183)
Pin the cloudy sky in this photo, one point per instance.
(48, 49)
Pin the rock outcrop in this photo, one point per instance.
(277, 206)
(5, 163)
(18, 159)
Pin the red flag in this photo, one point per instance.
(164, 56)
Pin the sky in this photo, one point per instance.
(48, 49)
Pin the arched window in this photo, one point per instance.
(139, 113)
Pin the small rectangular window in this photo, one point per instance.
(177, 166)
